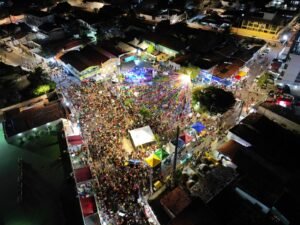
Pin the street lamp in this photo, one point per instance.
(186, 80)
(175, 157)
(285, 38)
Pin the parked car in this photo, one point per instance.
(266, 50)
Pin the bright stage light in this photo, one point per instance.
(185, 79)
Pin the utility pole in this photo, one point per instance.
(175, 158)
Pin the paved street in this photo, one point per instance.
(18, 58)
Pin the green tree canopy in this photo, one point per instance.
(41, 89)
(145, 112)
(213, 99)
(150, 49)
(40, 82)
(128, 102)
(263, 80)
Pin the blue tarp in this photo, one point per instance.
(198, 127)
(180, 143)
(130, 58)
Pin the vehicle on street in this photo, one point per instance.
(266, 50)
(262, 55)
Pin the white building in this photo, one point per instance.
(290, 74)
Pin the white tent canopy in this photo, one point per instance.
(170, 148)
(141, 136)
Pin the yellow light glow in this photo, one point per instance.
(185, 79)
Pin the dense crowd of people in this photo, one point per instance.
(168, 101)
(105, 122)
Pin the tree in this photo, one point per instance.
(121, 78)
(157, 139)
(263, 80)
(37, 76)
(213, 99)
(40, 83)
(128, 102)
(151, 48)
(41, 89)
(145, 112)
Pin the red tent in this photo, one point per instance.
(237, 77)
(186, 138)
(75, 140)
(82, 174)
(88, 206)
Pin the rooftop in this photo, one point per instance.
(17, 121)
(196, 213)
(175, 201)
(227, 70)
(49, 195)
(51, 48)
(86, 57)
(8, 69)
(47, 27)
(15, 30)
(266, 17)
(110, 48)
(271, 141)
(282, 111)
(165, 40)
(37, 13)
(230, 148)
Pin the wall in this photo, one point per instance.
(32, 101)
(252, 33)
(89, 72)
(26, 134)
(286, 123)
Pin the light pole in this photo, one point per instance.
(175, 157)
(186, 80)
(285, 38)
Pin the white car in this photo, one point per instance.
(266, 50)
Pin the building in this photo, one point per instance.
(84, 63)
(165, 44)
(154, 15)
(265, 155)
(35, 18)
(210, 22)
(92, 60)
(284, 116)
(11, 94)
(286, 5)
(52, 31)
(265, 26)
(31, 119)
(290, 72)
(175, 201)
